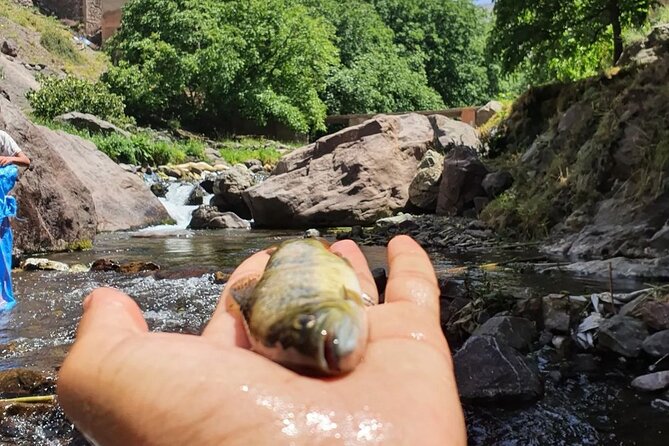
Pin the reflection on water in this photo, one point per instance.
(39, 331)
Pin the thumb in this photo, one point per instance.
(110, 313)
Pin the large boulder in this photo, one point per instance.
(461, 181)
(450, 133)
(72, 189)
(516, 332)
(424, 188)
(623, 335)
(228, 189)
(86, 121)
(208, 217)
(657, 344)
(487, 112)
(489, 371)
(353, 177)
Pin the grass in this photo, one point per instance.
(658, 16)
(55, 42)
(244, 149)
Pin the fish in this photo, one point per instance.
(307, 310)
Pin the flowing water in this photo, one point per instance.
(577, 410)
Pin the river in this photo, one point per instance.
(578, 409)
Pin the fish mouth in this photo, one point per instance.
(330, 353)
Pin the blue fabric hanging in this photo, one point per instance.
(8, 208)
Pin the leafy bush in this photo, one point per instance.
(59, 42)
(57, 96)
(141, 148)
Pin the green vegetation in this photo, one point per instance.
(561, 40)
(57, 96)
(59, 50)
(60, 44)
(80, 245)
(246, 149)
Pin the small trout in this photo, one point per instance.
(307, 310)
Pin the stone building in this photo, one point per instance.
(98, 16)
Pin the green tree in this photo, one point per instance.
(374, 76)
(567, 38)
(448, 38)
(220, 62)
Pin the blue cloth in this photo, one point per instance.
(8, 208)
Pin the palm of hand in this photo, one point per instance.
(212, 390)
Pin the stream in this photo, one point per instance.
(578, 409)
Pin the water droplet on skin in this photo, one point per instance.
(418, 336)
(245, 388)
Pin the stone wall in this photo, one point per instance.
(64, 9)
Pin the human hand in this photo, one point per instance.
(122, 385)
(6, 160)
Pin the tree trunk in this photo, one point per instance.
(614, 11)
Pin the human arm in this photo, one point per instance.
(122, 385)
(19, 159)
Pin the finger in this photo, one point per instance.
(112, 314)
(411, 277)
(350, 250)
(225, 326)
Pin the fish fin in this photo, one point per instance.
(242, 289)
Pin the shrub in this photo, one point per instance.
(57, 96)
(58, 42)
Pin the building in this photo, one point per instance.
(99, 17)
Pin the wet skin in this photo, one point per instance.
(123, 385)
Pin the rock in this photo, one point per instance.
(138, 267)
(513, 331)
(486, 113)
(461, 181)
(208, 186)
(585, 363)
(652, 382)
(9, 48)
(489, 371)
(33, 264)
(228, 189)
(655, 315)
(556, 309)
(159, 189)
(404, 221)
(424, 188)
(657, 344)
(450, 133)
(208, 217)
(254, 165)
(105, 265)
(497, 182)
(79, 268)
(72, 190)
(623, 335)
(16, 383)
(353, 177)
(86, 121)
(221, 277)
(196, 197)
(312, 233)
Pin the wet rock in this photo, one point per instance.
(556, 313)
(657, 344)
(159, 189)
(221, 277)
(402, 221)
(497, 182)
(9, 48)
(209, 217)
(660, 404)
(514, 331)
(623, 335)
(424, 188)
(208, 186)
(105, 265)
(196, 197)
(652, 382)
(585, 363)
(312, 233)
(33, 264)
(228, 189)
(79, 268)
(138, 267)
(86, 121)
(16, 383)
(656, 315)
(489, 371)
(530, 308)
(461, 181)
(657, 268)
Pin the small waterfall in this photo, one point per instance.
(175, 203)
